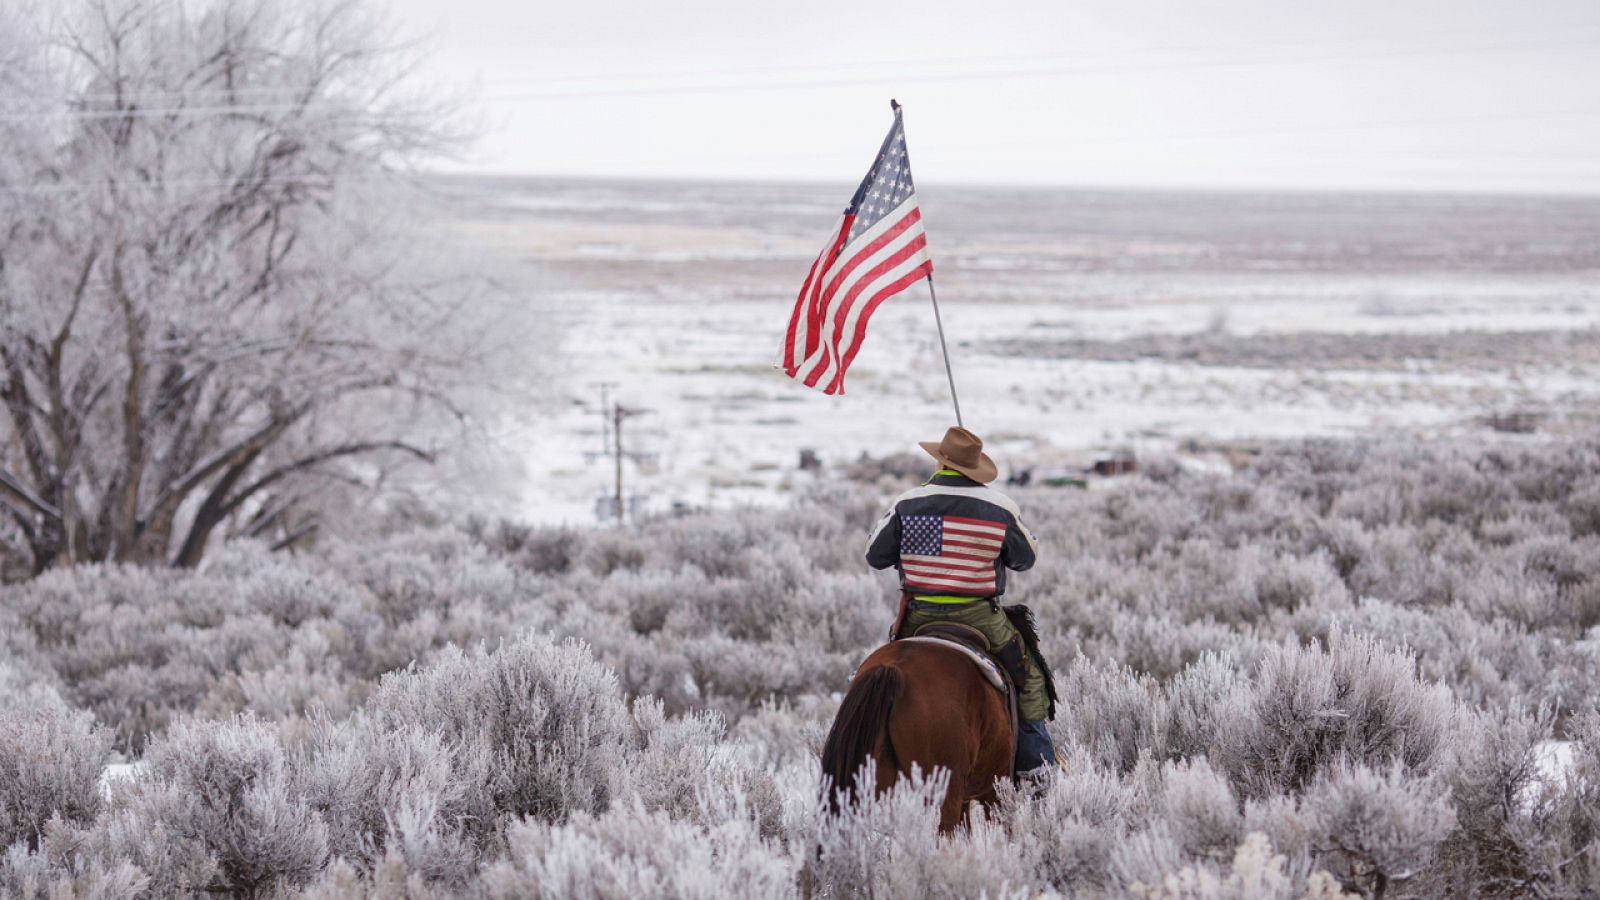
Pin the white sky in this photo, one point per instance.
(1381, 94)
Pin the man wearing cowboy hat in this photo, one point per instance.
(952, 540)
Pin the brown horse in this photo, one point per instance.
(921, 703)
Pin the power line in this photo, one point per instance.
(652, 77)
(903, 78)
(70, 187)
(642, 90)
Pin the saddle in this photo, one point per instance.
(971, 642)
(968, 640)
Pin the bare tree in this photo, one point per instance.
(211, 304)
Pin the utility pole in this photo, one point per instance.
(619, 413)
(605, 413)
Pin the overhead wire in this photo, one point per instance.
(653, 77)
(657, 89)
(1079, 68)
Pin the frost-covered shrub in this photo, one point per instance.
(647, 598)
(50, 763)
(26, 875)
(138, 646)
(420, 572)
(289, 594)
(547, 551)
(735, 676)
(1502, 836)
(23, 665)
(783, 732)
(888, 845)
(1454, 587)
(127, 843)
(551, 720)
(222, 791)
(1116, 715)
(132, 645)
(1145, 858)
(1201, 810)
(686, 768)
(1566, 809)
(1194, 697)
(1414, 564)
(677, 757)
(405, 791)
(1375, 830)
(1310, 709)
(1069, 830)
(629, 852)
(721, 548)
(1162, 647)
(305, 680)
(610, 550)
(1256, 873)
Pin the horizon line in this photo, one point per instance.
(1570, 194)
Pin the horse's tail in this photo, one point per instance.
(863, 718)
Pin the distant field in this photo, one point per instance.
(1081, 323)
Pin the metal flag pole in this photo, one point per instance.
(937, 321)
(946, 351)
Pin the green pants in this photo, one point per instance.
(1032, 703)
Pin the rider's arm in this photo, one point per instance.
(883, 548)
(1020, 549)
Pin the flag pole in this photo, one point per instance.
(946, 351)
(937, 321)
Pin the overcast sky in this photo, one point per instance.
(1383, 94)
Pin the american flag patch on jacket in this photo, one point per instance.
(950, 553)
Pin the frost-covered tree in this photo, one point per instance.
(214, 307)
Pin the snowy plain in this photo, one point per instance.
(675, 296)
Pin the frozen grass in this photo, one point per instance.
(1340, 669)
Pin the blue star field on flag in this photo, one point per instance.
(921, 535)
(887, 185)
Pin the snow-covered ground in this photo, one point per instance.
(118, 772)
(677, 295)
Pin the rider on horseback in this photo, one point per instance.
(951, 541)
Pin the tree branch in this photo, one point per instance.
(293, 537)
(323, 456)
(251, 444)
(13, 488)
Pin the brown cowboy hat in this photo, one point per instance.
(963, 451)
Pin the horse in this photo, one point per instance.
(921, 703)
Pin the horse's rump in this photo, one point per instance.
(924, 705)
(863, 721)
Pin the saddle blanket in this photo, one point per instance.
(983, 662)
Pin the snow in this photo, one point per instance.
(681, 299)
(1554, 760)
(118, 772)
(727, 427)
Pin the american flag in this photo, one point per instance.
(877, 250)
(950, 553)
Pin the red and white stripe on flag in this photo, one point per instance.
(877, 250)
